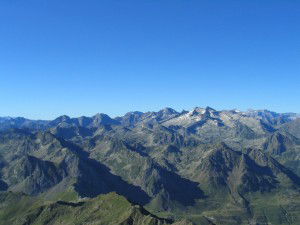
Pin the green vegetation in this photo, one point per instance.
(110, 209)
(203, 166)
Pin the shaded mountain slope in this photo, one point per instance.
(209, 166)
(285, 148)
(43, 161)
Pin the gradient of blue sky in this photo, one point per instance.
(113, 56)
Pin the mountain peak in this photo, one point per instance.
(197, 111)
(209, 109)
(63, 118)
(100, 115)
(60, 119)
(103, 119)
(200, 111)
(169, 110)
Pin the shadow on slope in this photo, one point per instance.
(96, 178)
(3, 185)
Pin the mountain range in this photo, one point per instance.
(202, 166)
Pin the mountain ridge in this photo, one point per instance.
(204, 165)
(249, 111)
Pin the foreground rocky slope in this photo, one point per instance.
(102, 210)
(211, 167)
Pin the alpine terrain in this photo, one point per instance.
(192, 167)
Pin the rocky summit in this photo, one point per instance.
(201, 166)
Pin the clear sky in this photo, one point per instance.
(113, 56)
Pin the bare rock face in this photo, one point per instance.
(203, 165)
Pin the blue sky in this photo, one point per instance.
(114, 56)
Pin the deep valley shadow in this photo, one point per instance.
(96, 178)
(179, 189)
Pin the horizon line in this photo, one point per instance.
(153, 111)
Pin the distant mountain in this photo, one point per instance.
(166, 116)
(203, 165)
(20, 122)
